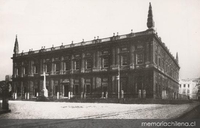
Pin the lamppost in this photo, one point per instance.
(118, 78)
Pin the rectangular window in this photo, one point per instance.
(26, 70)
(17, 72)
(35, 69)
(125, 60)
(48, 67)
(67, 65)
(77, 65)
(159, 61)
(184, 85)
(57, 66)
(88, 63)
(188, 85)
(105, 62)
(23, 70)
(139, 58)
(156, 59)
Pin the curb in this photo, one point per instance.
(4, 111)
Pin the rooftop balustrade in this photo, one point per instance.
(117, 37)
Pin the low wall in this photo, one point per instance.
(127, 101)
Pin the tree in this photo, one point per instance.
(5, 94)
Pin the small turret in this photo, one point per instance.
(150, 22)
(16, 47)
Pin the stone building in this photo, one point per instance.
(188, 88)
(134, 65)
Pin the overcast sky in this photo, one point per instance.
(53, 22)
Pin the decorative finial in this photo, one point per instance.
(131, 30)
(150, 22)
(117, 33)
(97, 37)
(113, 34)
(72, 42)
(177, 57)
(16, 47)
(83, 40)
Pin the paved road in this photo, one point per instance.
(73, 112)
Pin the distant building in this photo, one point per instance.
(8, 78)
(134, 65)
(188, 88)
(7, 83)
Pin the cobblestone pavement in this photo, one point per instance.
(74, 111)
(62, 110)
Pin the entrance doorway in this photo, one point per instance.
(88, 88)
(104, 91)
(66, 90)
(123, 83)
(75, 89)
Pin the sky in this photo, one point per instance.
(40, 23)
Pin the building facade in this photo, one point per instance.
(134, 65)
(188, 88)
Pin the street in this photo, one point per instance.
(74, 111)
(62, 110)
